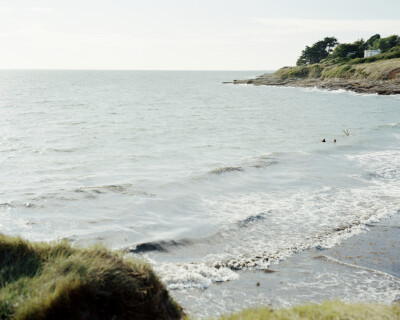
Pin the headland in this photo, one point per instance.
(347, 67)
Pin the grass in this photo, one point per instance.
(55, 281)
(373, 68)
(378, 70)
(311, 71)
(326, 311)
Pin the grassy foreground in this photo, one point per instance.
(44, 281)
(55, 281)
(325, 311)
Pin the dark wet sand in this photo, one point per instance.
(377, 249)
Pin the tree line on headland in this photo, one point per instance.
(330, 50)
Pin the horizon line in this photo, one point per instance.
(83, 69)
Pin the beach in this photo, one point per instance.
(218, 186)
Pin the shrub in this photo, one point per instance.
(42, 281)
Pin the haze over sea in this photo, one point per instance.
(208, 181)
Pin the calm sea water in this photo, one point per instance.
(207, 181)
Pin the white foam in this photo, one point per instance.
(337, 91)
(384, 163)
(292, 221)
(192, 275)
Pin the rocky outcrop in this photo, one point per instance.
(381, 87)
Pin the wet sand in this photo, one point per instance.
(377, 249)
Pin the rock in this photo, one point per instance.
(381, 87)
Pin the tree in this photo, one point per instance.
(369, 43)
(318, 51)
(385, 44)
(330, 42)
(355, 49)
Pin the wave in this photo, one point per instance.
(201, 275)
(258, 229)
(160, 246)
(387, 275)
(253, 219)
(126, 189)
(223, 170)
(214, 269)
(381, 165)
(388, 126)
(65, 150)
(320, 240)
(76, 194)
(265, 164)
(7, 205)
(192, 275)
(336, 91)
(260, 161)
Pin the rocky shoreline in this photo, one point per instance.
(381, 87)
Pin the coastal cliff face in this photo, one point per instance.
(381, 77)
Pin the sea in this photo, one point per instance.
(226, 190)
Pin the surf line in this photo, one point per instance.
(360, 267)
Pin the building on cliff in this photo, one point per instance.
(370, 53)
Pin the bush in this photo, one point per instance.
(42, 281)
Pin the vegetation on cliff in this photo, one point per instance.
(330, 50)
(380, 69)
(44, 281)
(346, 60)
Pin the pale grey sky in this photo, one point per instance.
(180, 34)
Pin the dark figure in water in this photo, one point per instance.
(324, 140)
(334, 141)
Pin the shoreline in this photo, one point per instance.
(380, 87)
(375, 249)
(371, 256)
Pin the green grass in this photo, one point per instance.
(326, 311)
(311, 71)
(373, 68)
(55, 281)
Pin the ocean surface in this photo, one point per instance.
(215, 184)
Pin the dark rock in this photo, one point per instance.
(381, 87)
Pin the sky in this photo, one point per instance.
(180, 34)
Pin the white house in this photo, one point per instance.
(370, 53)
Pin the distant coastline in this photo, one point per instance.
(371, 66)
(380, 77)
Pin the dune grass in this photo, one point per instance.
(326, 311)
(55, 281)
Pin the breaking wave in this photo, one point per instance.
(160, 246)
(223, 170)
(258, 229)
